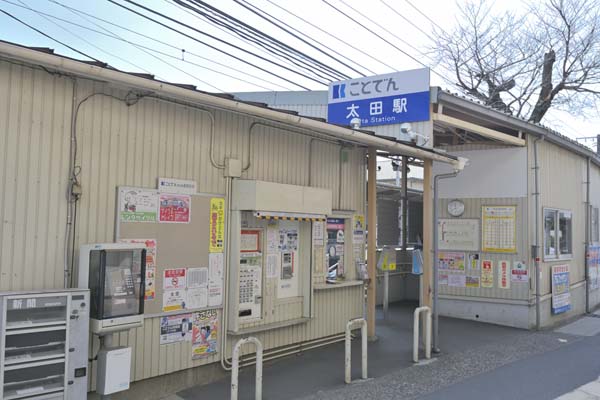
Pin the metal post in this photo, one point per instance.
(536, 255)
(404, 226)
(236, 367)
(348, 351)
(416, 335)
(436, 311)
(386, 292)
(372, 240)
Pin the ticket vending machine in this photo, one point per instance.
(115, 274)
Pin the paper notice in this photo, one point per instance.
(272, 240)
(457, 280)
(272, 260)
(197, 297)
(215, 280)
(174, 300)
(197, 277)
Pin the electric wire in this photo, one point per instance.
(50, 37)
(152, 55)
(251, 34)
(216, 48)
(261, 13)
(426, 17)
(85, 40)
(273, 40)
(406, 19)
(246, 38)
(84, 15)
(399, 38)
(334, 37)
(384, 39)
(237, 38)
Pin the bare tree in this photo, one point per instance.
(526, 64)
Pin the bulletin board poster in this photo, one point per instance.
(358, 229)
(561, 297)
(175, 208)
(175, 328)
(503, 274)
(138, 205)
(451, 260)
(205, 330)
(519, 272)
(594, 266)
(217, 225)
(458, 234)
(250, 241)
(499, 229)
(487, 274)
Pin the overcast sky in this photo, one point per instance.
(373, 54)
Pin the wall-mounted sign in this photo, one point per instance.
(172, 185)
(458, 234)
(499, 229)
(380, 100)
(561, 297)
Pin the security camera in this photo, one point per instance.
(355, 123)
(406, 128)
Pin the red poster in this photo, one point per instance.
(175, 208)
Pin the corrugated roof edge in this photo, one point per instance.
(444, 96)
(226, 96)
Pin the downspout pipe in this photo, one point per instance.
(436, 310)
(587, 236)
(536, 246)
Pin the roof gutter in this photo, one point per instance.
(171, 91)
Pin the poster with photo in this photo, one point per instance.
(561, 296)
(175, 328)
(451, 260)
(205, 331)
(175, 208)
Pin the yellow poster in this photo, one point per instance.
(217, 225)
(499, 229)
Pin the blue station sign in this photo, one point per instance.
(380, 100)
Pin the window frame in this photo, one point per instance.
(558, 254)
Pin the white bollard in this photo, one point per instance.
(235, 369)
(427, 329)
(348, 361)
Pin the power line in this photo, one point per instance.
(83, 39)
(248, 37)
(407, 20)
(227, 32)
(261, 13)
(384, 39)
(214, 47)
(113, 35)
(384, 28)
(426, 16)
(249, 33)
(333, 36)
(50, 37)
(143, 48)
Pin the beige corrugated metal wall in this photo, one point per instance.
(517, 291)
(35, 117)
(132, 145)
(562, 185)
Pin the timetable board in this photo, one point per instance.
(499, 229)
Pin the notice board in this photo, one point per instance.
(187, 232)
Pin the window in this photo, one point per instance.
(595, 225)
(558, 234)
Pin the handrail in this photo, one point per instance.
(236, 367)
(363, 333)
(427, 327)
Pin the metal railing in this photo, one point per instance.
(235, 369)
(427, 329)
(353, 324)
